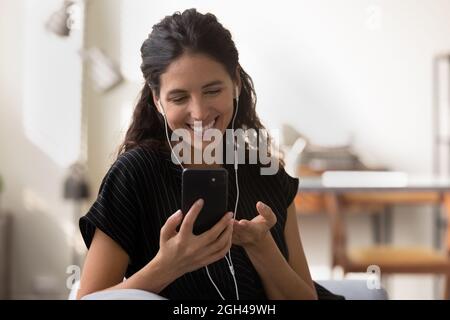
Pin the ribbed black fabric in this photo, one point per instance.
(143, 188)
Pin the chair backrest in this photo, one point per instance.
(447, 211)
(338, 232)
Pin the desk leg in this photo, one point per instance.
(376, 227)
(446, 214)
(382, 226)
(338, 231)
(386, 237)
(437, 238)
(437, 227)
(387, 225)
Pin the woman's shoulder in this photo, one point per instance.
(271, 169)
(273, 178)
(140, 159)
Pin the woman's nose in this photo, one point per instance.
(198, 109)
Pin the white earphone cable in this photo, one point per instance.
(230, 262)
(167, 135)
(228, 259)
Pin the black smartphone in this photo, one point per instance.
(212, 186)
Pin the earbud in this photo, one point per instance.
(161, 108)
(236, 92)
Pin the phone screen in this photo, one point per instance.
(212, 186)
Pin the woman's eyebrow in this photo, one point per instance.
(175, 91)
(213, 83)
(210, 84)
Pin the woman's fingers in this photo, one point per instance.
(243, 223)
(219, 249)
(212, 234)
(213, 244)
(189, 219)
(223, 239)
(265, 211)
(169, 229)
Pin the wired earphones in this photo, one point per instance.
(228, 255)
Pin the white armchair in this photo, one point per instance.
(350, 289)
(354, 289)
(119, 294)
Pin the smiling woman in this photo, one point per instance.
(190, 96)
(197, 66)
(194, 82)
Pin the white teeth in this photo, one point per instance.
(197, 127)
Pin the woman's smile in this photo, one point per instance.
(200, 127)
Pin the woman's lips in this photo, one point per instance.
(199, 129)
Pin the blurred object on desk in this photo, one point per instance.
(303, 158)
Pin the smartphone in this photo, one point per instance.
(212, 186)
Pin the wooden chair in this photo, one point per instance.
(390, 259)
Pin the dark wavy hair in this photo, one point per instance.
(191, 32)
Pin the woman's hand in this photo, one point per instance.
(183, 252)
(249, 233)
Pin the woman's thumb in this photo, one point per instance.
(262, 208)
(169, 229)
(265, 211)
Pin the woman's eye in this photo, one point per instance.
(213, 92)
(179, 100)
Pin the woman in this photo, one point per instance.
(192, 73)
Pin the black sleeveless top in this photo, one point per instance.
(143, 188)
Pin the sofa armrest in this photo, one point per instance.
(350, 289)
(115, 294)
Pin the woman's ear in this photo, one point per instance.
(156, 102)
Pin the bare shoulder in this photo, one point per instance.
(105, 265)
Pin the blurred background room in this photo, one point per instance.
(348, 87)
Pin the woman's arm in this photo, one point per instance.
(105, 266)
(179, 252)
(283, 279)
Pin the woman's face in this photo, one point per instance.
(196, 88)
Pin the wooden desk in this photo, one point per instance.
(345, 194)
(315, 193)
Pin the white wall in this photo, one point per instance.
(334, 70)
(338, 71)
(103, 111)
(40, 101)
(346, 69)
